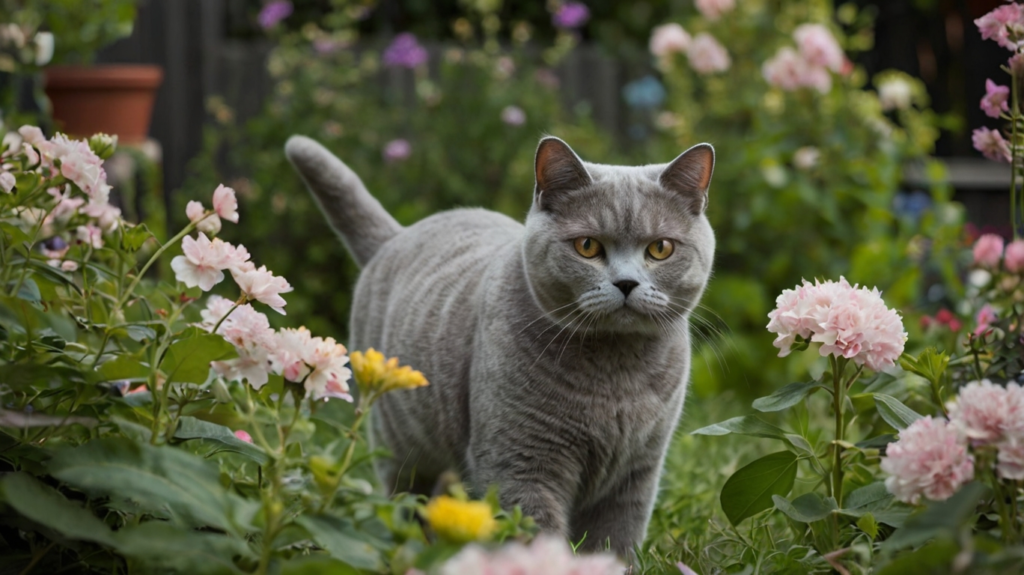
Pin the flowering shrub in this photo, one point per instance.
(143, 428)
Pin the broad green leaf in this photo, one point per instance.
(868, 525)
(939, 518)
(168, 547)
(137, 332)
(46, 506)
(878, 442)
(192, 428)
(124, 367)
(188, 360)
(317, 565)
(807, 508)
(745, 425)
(341, 540)
(13, 233)
(930, 364)
(29, 291)
(787, 396)
(800, 443)
(894, 412)
(159, 479)
(874, 496)
(935, 557)
(749, 491)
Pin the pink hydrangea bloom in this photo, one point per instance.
(669, 39)
(1010, 462)
(986, 315)
(197, 213)
(930, 459)
(991, 144)
(848, 321)
(263, 286)
(988, 413)
(819, 47)
(988, 250)
(1004, 25)
(994, 100)
(243, 435)
(203, 262)
(225, 203)
(707, 55)
(546, 554)
(713, 9)
(1013, 259)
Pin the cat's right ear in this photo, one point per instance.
(689, 175)
(558, 170)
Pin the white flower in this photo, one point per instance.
(106, 215)
(202, 263)
(81, 165)
(7, 181)
(69, 265)
(263, 286)
(249, 331)
(225, 203)
(90, 235)
(196, 213)
(317, 362)
(895, 93)
(806, 157)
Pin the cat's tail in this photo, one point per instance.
(363, 224)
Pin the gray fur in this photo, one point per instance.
(546, 380)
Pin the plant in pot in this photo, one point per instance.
(88, 98)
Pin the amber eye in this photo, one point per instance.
(660, 249)
(588, 247)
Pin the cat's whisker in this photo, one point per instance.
(541, 354)
(568, 339)
(707, 341)
(547, 315)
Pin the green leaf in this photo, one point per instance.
(935, 557)
(13, 234)
(930, 364)
(48, 507)
(939, 518)
(133, 237)
(807, 508)
(874, 496)
(166, 547)
(192, 428)
(745, 425)
(868, 525)
(894, 412)
(159, 479)
(138, 332)
(877, 442)
(188, 360)
(29, 291)
(124, 367)
(317, 565)
(340, 538)
(787, 396)
(749, 491)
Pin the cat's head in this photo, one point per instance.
(619, 249)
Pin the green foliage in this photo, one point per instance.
(753, 487)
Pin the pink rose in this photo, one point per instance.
(263, 286)
(225, 203)
(930, 459)
(819, 47)
(243, 435)
(713, 9)
(995, 98)
(669, 39)
(991, 144)
(988, 413)
(1014, 256)
(707, 55)
(986, 315)
(988, 250)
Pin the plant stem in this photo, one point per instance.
(839, 389)
(1015, 202)
(156, 255)
(240, 301)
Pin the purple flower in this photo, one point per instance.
(405, 52)
(274, 12)
(571, 15)
(513, 116)
(397, 150)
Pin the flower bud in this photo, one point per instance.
(103, 145)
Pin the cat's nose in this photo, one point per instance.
(626, 286)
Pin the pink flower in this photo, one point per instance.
(994, 100)
(90, 235)
(202, 262)
(216, 308)
(81, 165)
(986, 315)
(546, 554)
(848, 321)
(819, 47)
(707, 55)
(249, 331)
(290, 351)
(106, 215)
(197, 213)
(1010, 462)
(1004, 25)
(789, 70)
(68, 265)
(243, 435)
(1013, 259)
(987, 413)
(713, 9)
(571, 15)
(397, 150)
(7, 181)
(669, 39)
(317, 362)
(225, 203)
(988, 250)
(991, 144)
(263, 286)
(513, 116)
(33, 136)
(930, 459)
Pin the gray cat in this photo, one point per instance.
(558, 353)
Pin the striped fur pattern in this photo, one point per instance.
(547, 379)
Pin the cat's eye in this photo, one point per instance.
(660, 249)
(587, 247)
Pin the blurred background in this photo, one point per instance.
(438, 104)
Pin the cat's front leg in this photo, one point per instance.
(618, 521)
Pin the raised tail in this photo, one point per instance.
(363, 224)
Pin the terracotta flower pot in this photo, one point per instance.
(114, 99)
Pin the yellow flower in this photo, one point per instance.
(460, 521)
(375, 375)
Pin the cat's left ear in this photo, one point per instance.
(689, 175)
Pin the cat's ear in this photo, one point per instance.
(689, 175)
(558, 170)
